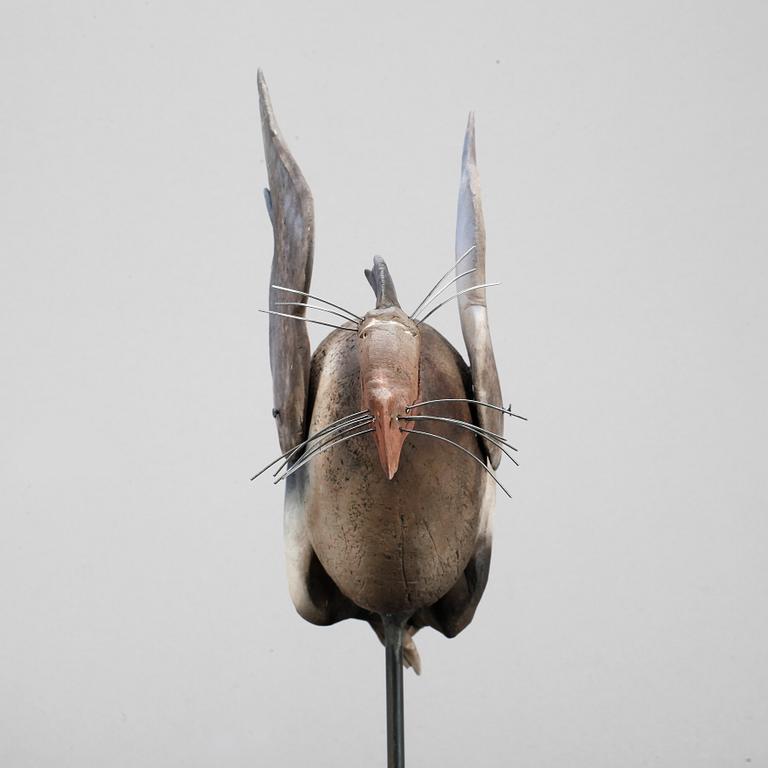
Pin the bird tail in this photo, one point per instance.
(411, 658)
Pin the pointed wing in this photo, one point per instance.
(291, 211)
(470, 230)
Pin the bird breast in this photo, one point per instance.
(398, 544)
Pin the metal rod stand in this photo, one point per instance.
(394, 627)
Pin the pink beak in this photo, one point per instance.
(389, 439)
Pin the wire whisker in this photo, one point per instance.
(492, 437)
(461, 448)
(328, 432)
(296, 447)
(446, 287)
(320, 449)
(317, 298)
(472, 427)
(507, 410)
(306, 320)
(501, 446)
(314, 306)
(434, 287)
(455, 296)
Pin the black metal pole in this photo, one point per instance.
(393, 648)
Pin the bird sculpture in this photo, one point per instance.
(389, 439)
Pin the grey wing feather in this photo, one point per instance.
(470, 230)
(291, 211)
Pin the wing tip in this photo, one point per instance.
(265, 105)
(469, 155)
(261, 84)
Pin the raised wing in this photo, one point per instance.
(291, 210)
(470, 230)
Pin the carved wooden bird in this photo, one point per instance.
(389, 438)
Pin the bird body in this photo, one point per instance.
(396, 545)
(389, 438)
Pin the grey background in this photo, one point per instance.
(622, 146)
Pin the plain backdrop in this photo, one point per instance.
(144, 614)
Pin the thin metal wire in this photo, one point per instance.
(455, 296)
(309, 439)
(317, 298)
(320, 449)
(453, 266)
(461, 448)
(314, 306)
(448, 285)
(501, 448)
(306, 320)
(473, 427)
(337, 430)
(329, 438)
(507, 410)
(500, 443)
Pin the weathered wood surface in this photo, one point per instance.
(385, 522)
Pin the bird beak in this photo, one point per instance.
(388, 437)
(389, 351)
